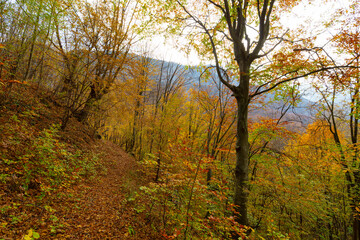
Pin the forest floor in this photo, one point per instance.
(96, 206)
(100, 209)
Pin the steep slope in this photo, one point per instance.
(58, 184)
(102, 210)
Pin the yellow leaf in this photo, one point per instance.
(29, 235)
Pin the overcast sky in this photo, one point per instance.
(311, 15)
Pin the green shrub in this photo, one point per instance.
(49, 163)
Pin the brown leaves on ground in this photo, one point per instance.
(95, 209)
(100, 209)
(97, 206)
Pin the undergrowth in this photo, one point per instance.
(40, 161)
(183, 204)
(38, 167)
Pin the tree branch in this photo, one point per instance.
(202, 25)
(258, 92)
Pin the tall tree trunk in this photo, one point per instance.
(354, 186)
(242, 160)
(135, 129)
(356, 225)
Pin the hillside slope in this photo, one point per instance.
(58, 184)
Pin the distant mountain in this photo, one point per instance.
(267, 105)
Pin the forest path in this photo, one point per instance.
(100, 209)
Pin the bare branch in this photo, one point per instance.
(225, 82)
(258, 92)
(277, 44)
(217, 5)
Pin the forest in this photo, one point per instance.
(256, 140)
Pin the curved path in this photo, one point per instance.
(99, 209)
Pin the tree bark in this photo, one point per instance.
(356, 228)
(93, 97)
(242, 159)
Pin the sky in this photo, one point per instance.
(314, 15)
(307, 14)
(165, 49)
(311, 16)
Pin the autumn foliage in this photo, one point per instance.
(228, 149)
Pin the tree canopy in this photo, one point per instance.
(229, 149)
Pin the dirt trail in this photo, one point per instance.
(93, 209)
(100, 211)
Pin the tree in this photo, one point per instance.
(348, 40)
(107, 36)
(236, 35)
(25, 27)
(93, 40)
(314, 174)
(343, 114)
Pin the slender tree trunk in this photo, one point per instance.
(242, 160)
(354, 186)
(33, 40)
(356, 228)
(354, 202)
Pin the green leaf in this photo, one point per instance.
(36, 235)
